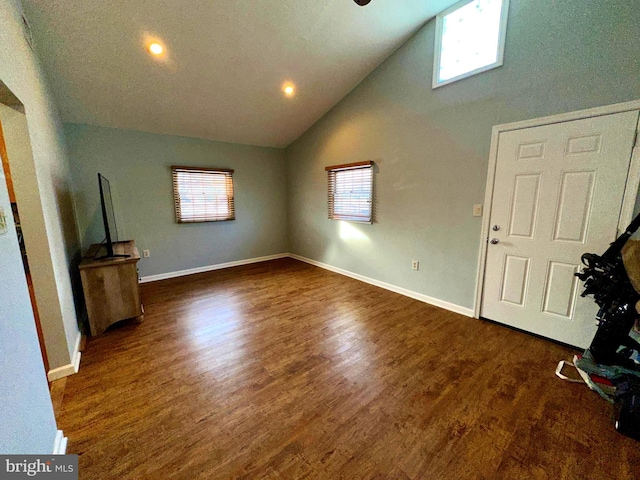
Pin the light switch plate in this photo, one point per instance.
(3, 222)
(477, 210)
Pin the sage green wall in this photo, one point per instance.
(431, 147)
(137, 166)
(38, 161)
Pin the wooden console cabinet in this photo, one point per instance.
(110, 285)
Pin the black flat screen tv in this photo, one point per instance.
(108, 218)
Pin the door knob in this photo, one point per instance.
(494, 241)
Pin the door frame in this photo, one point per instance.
(4, 161)
(630, 191)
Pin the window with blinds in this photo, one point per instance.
(351, 192)
(203, 194)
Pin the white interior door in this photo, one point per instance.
(558, 193)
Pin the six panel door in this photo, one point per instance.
(558, 193)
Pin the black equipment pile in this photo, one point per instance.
(613, 349)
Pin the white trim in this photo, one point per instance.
(629, 197)
(631, 187)
(70, 369)
(570, 116)
(60, 443)
(210, 268)
(486, 216)
(388, 286)
(502, 35)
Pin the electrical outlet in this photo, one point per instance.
(146, 253)
(477, 210)
(415, 265)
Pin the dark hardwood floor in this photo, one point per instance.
(282, 370)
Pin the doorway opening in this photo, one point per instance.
(10, 106)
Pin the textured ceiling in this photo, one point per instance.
(225, 65)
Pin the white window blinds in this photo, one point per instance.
(203, 194)
(350, 189)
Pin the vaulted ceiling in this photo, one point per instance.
(225, 62)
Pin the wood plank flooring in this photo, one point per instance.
(282, 370)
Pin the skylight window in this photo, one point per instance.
(469, 39)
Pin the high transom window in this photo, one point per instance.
(469, 39)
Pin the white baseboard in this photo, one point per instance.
(70, 369)
(60, 443)
(209, 268)
(388, 286)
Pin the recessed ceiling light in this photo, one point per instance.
(156, 49)
(289, 90)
